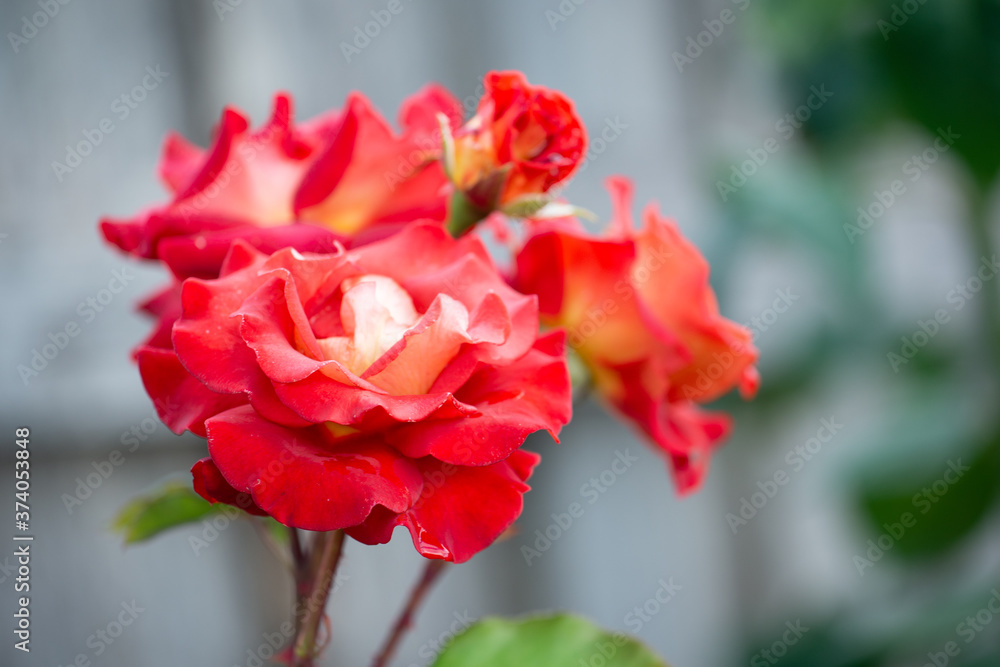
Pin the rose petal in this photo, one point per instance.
(213, 487)
(180, 163)
(462, 510)
(369, 175)
(251, 176)
(207, 333)
(412, 365)
(182, 402)
(720, 350)
(514, 401)
(686, 434)
(306, 478)
(200, 254)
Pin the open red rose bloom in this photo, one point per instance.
(333, 178)
(641, 314)
(388, 385)
(353, 366)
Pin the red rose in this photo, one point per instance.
(391, 384)
(241, 187)
(165, 307)
(306, 186)
(368, 181)
(522, 141)
(638, 308)
(344, 176)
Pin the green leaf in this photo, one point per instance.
(463, 214)
(527, 206)
(276, 530)
(548, 641)
(944, 513)
(174, 504)
(542, 207)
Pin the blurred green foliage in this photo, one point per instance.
(929, 65)
(561, 640)
(173, 504)
(932, 63)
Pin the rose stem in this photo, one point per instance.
(432, 571)
(297, 556)
(324, 557)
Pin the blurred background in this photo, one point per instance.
(836, 162)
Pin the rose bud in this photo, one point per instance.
(523, 141)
